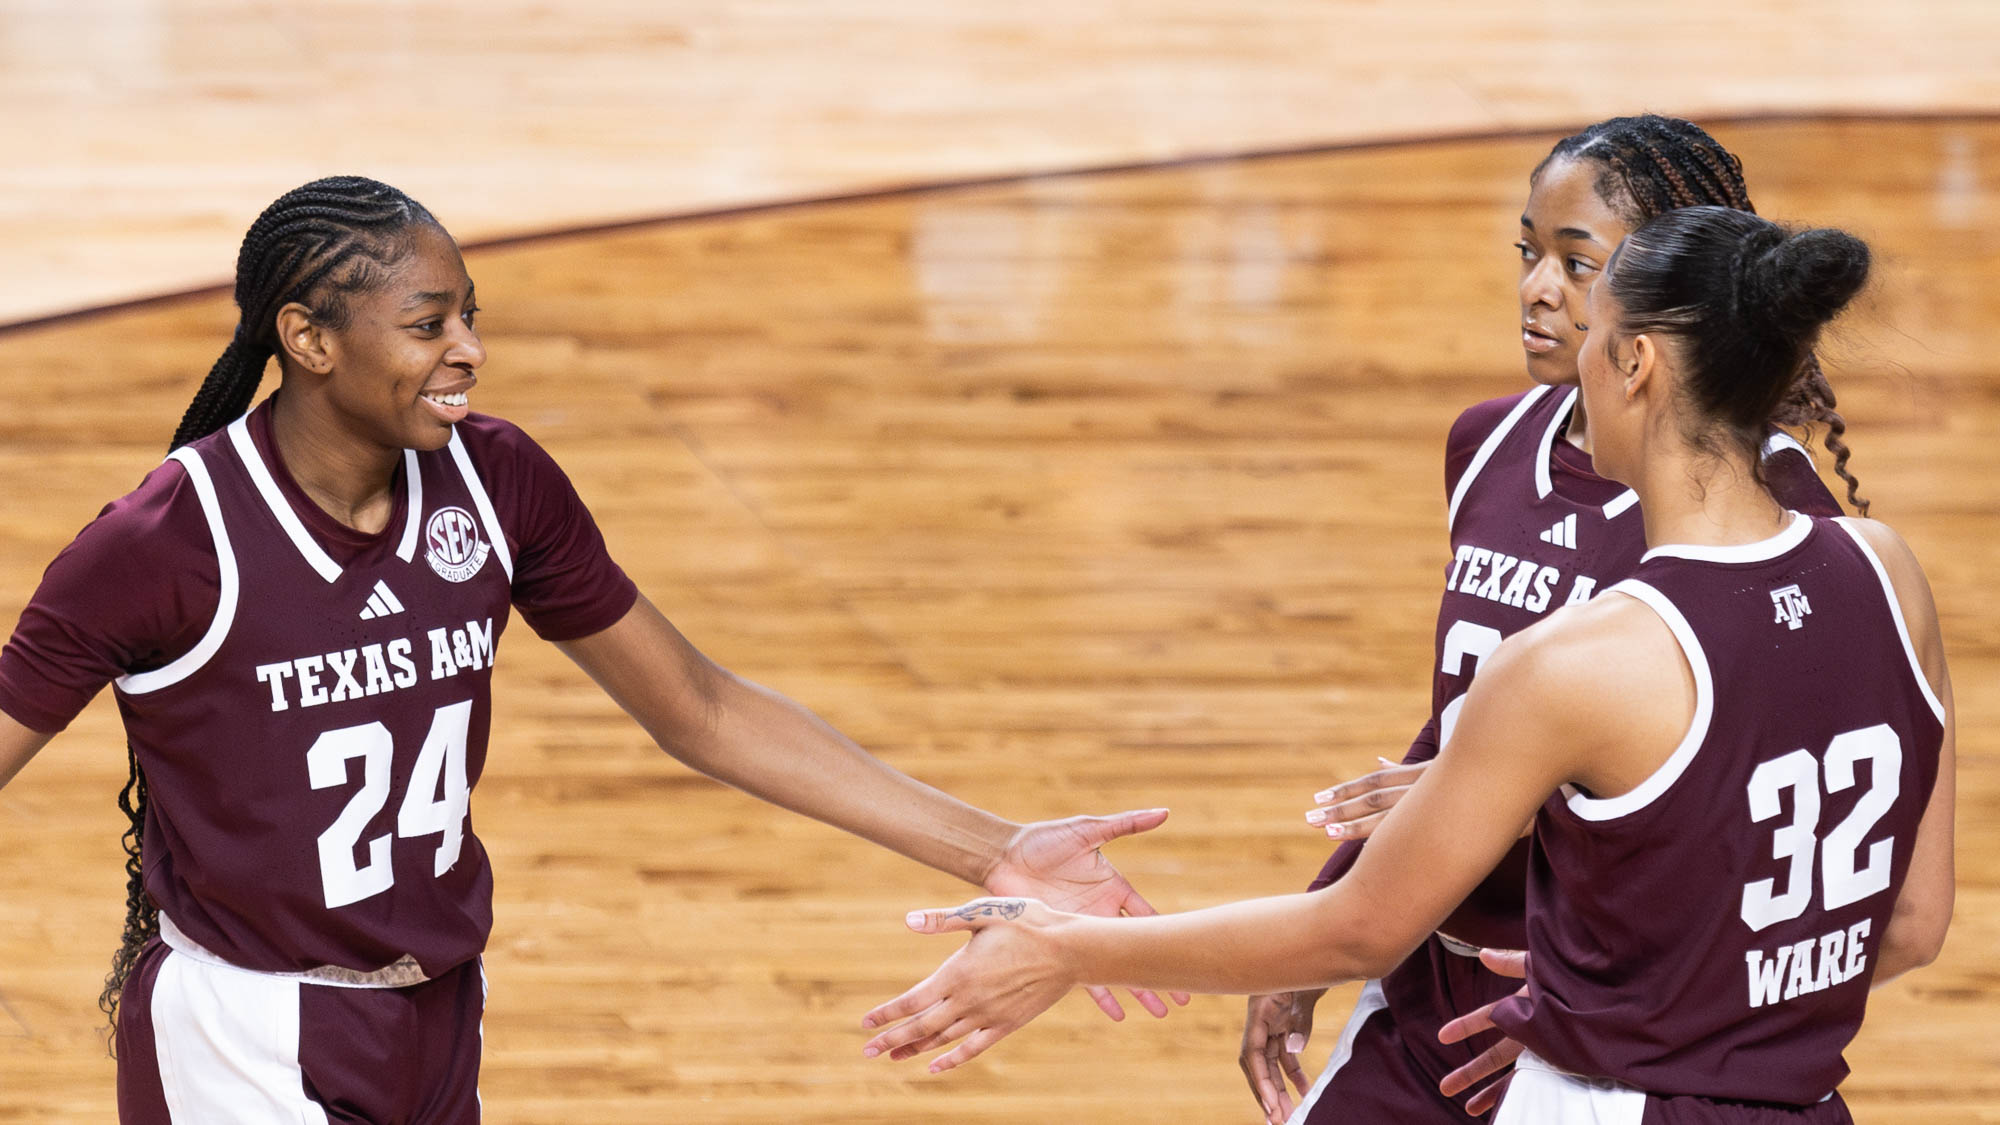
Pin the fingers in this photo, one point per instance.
(1099, 830)
(1506, 962)
(1468, 1025)
(1347, 814)
(1108, 1004)
(1275, 1060)
(929, 1022)
(926, 993)
(1486, 1064)
(1150, 1000)
(1264, 1083)
(949, 1035)
(974, 915)
(1392, 777)
(965, 1052)
(1290, 1061)
(1359, 828)
(1489, 1097)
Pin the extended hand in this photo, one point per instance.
(1274, 1033)
(1351, 810)
(1009, 973)
(1058, 862)
(1500, 1056)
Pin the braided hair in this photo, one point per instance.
(316, 245)
(1649, 165)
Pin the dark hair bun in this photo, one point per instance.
(1803, 280)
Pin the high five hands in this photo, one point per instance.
(1009, 973)
(1058, 862)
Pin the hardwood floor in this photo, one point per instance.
(1077, 494)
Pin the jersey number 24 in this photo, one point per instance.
(426, 810)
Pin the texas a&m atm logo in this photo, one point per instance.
(1792, 606)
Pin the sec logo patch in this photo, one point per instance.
(452, 544)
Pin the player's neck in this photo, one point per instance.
(1577, 433)
(348, 479)
(1698, 499)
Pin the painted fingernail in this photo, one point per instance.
(914, 919)
(870, 1052)
(1323, 796)
(1316, 816)
(1294, 1043)
(1335, 831)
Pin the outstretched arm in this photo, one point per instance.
(771, 747)
(1538, 716)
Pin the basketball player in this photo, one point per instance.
(300, 610)
(1533, 528)
(1737, 761)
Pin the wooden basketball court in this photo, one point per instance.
(1065, 493)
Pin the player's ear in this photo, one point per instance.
(1637, 365)
(303, 339)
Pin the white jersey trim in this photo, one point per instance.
(482, 502)
(267, 487)
(1794, 534)
(407, 549)
(1780, 440)
(191, 661)
(1487, 447)
(1367, 1004)
(1896, 611)
(1543, 485)
(1670, 771)
(1620, 504)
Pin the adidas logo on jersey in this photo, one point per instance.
(381, 603)
(1791, 605)
(1563, 534)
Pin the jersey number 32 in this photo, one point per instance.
(1842, 882)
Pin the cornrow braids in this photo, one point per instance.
(1651, 164)
(316, 245)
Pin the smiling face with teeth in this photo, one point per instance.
(396, 374)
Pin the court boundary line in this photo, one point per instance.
(919, 188)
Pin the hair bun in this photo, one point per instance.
(1803, 280)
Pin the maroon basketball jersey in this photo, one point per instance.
(1714, 931)
(1532, 529)
(309, 762)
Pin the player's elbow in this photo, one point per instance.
(1917, 930)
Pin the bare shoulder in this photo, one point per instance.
(1912, 589)
(1596, 646)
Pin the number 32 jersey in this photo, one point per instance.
(1714, 931)
(310, 704)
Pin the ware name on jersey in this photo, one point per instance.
(1780, 831)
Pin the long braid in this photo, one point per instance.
(1653, 164)
(315, 245)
